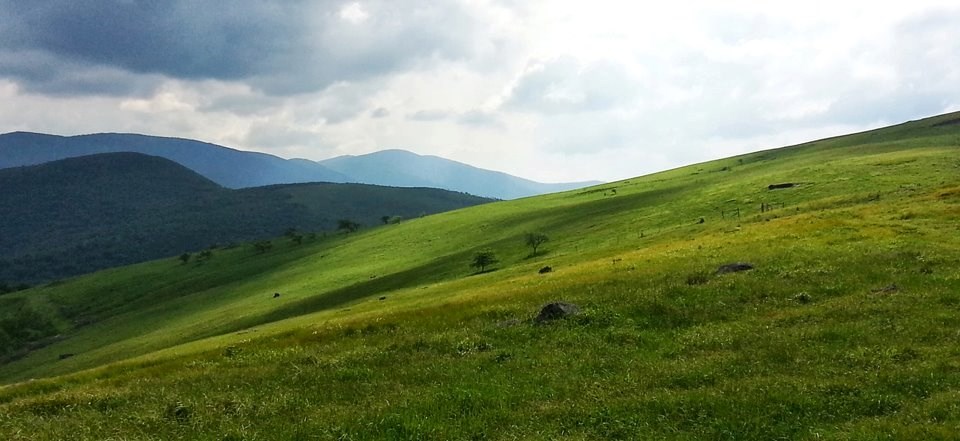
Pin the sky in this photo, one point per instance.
(548, 90)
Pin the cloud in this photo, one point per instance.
(566, 85)
(429, 115)
(278, 47)
(279, 136)
(41, 73)
(242, 103)
(599, 90)
(479, 118)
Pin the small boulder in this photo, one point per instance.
(545, 270)
(65, 356)
(276, 294)
(556, 310)
(383, 298)
(734, 267)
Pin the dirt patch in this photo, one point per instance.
(782, 185)
(734, 267)
(949, 194)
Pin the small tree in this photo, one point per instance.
(204, 255)
(347, 225)
(294, 235)
(534, 240)
(385, 219)
(184, 258)
(262, 246)
(483, 259)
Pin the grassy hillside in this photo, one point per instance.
(79, 215)
(843, 330)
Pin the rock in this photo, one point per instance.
(65, 356)
(276, 294)
(734, 267)
(545, 270)
(556, 310)
(783, 185)
(383, 297)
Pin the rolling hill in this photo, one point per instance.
(407, 169)
(239, 169)
(83, 214)
(842, 329)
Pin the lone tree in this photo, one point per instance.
(294, 235)
(262, 246)
(385, 219)
(184, 258)
(204, 255)
(534, 240)
(347, 225)
(484, 259)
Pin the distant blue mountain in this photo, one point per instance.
(225, 166)
(406, 169)
(240, 169)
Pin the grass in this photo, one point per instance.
(811, 344)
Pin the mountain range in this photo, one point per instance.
(78, 215)
(242, 169)
(406, 169)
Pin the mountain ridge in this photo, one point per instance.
(81, 214)
(432, 170)
(235, 168)
(224, 165)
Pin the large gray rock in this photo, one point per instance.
(556, 310)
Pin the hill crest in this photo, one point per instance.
(81, 214)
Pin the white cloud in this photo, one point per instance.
(354, 13)
(546, 89)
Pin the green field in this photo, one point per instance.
(846, 328)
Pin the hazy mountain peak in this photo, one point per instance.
(238, 169)
(397, 167)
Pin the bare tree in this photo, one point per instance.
(534, 240)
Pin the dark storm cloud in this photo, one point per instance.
(280, 47)
(42, 73)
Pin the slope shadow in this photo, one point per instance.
(439, 269)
